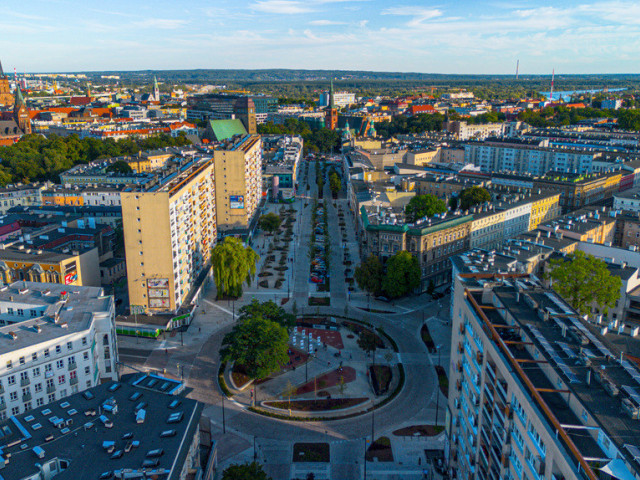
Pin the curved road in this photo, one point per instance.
(416, 404)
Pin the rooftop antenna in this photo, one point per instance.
(553, 74)
(517, 68)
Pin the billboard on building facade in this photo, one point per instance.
(236, 201)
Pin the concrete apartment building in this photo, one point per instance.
(534, 391)
(238, 183)
(627, 234)
(528, 157)
(55, 340)
(577, 191)
(169, 231)
(463, 131)
(137, 431)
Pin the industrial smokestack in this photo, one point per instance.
(517, 68)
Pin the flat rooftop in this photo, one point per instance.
(60, 310)
(580, 354)
(33, 437)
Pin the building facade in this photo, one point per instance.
(238, 182)
(169, 232)
(57, 340)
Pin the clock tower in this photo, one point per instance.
(6, 99)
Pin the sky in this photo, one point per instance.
(461, 36)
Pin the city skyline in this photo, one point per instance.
(430, 37)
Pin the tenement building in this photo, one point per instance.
(535, 391)
(55, 340)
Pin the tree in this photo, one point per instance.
(367, 341)
(584, 280)
(247, 471)
(369, 275)
(473, 196)
(453, 203)
(233, 265)
(424, 206)
(402, 276)
(334, 182)
(258, 344)
(268, 310)
(120, 167)
(270, 222)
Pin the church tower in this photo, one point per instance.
(156, 90)
(331, 114)
(20, 112)
(6, 99)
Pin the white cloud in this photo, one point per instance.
(281, 7)
(161, 23)
(419, 14)
(323, 23)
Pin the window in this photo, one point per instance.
(50, 383)
(11, 380)
(13, 396)
(46, 353)
(51, 397)
(85, 356)
(60, 364)
(33, 313)
(58, 349)
(9, 365)
(38, 387)
(87, 370)
(84, 340)
(20, 312)
(15, 411)
(36, 371)
(39, 402)
(10, 311)
(24, 376)
(73, 374)
(69, 345)
(34, 356)
(48, 368)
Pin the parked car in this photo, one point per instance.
(381, 298)
(316, 280)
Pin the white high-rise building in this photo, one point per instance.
(55, 340)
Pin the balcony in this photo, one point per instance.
(51, 388)
(3, 406)
(73, 381)
(26, 397)
(73, 366)
(24, 382)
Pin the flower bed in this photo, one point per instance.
(380, 450)
(426, 338)
(317, 405)
(319, 301)
(380, 378)
(419, 431)
(443, 381)
(311, 452)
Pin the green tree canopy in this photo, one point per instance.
(35, 157)
(402, 276)
(247, 471)
(424, 206)
(233, 265)
(334, 182)
(270, 222)
(473, 196)
(258, 344)
(119, 167)
(369, 275)
(268, 310)
(583, 280)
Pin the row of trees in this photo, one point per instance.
(36, 158)
(399, 276)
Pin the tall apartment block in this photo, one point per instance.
(238, 183)
(169, 231)
(535, 391)
(55, 340)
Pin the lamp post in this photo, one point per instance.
(224, 426)
(439, 347)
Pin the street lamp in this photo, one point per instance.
(439, 348)
(224, 426)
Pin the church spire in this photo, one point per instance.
(156, 89)
(19, 98)
(1, 71)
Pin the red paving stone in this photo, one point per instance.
(330, 337)
(331, 379)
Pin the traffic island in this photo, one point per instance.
(380, 451)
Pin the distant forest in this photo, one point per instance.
(305, 84)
